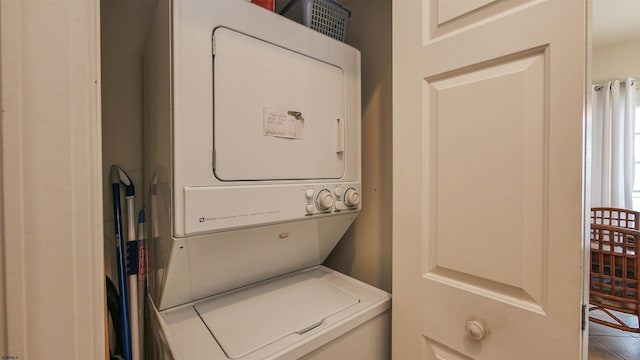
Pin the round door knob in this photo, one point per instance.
(475, 330)
(325, 200)
(352, 197)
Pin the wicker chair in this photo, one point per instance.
(614, 271)
(624, 218)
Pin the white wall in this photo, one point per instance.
(616, 61)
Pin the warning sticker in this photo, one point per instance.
(283, 124)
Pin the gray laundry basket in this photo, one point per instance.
(325, 16)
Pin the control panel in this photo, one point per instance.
(257, 205)
(327, 198)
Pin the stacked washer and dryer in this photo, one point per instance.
(252, 160)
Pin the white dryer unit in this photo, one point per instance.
(252, 157)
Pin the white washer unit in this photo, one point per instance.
(252, 156)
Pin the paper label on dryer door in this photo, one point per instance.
(283, 124)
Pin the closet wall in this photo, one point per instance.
(123, 25)
(365, 250)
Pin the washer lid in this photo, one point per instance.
(247, 320)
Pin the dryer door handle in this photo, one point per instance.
(339, 136)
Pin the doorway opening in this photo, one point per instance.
(614, 54)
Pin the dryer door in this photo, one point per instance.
(278, 114)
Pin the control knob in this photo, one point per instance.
(352, 197)
(308, 193)
(325, 200)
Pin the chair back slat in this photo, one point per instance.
(614, 270)
(625, 218)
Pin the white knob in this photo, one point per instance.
(338, 192)
(475, 330)
(352, 197)
(325, 200)
(308, 193)
(309, 209)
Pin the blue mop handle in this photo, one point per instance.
(122, 273)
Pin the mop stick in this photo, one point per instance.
(132, 261)
(121, 259)
(141, 276)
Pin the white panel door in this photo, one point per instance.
(488, 179)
